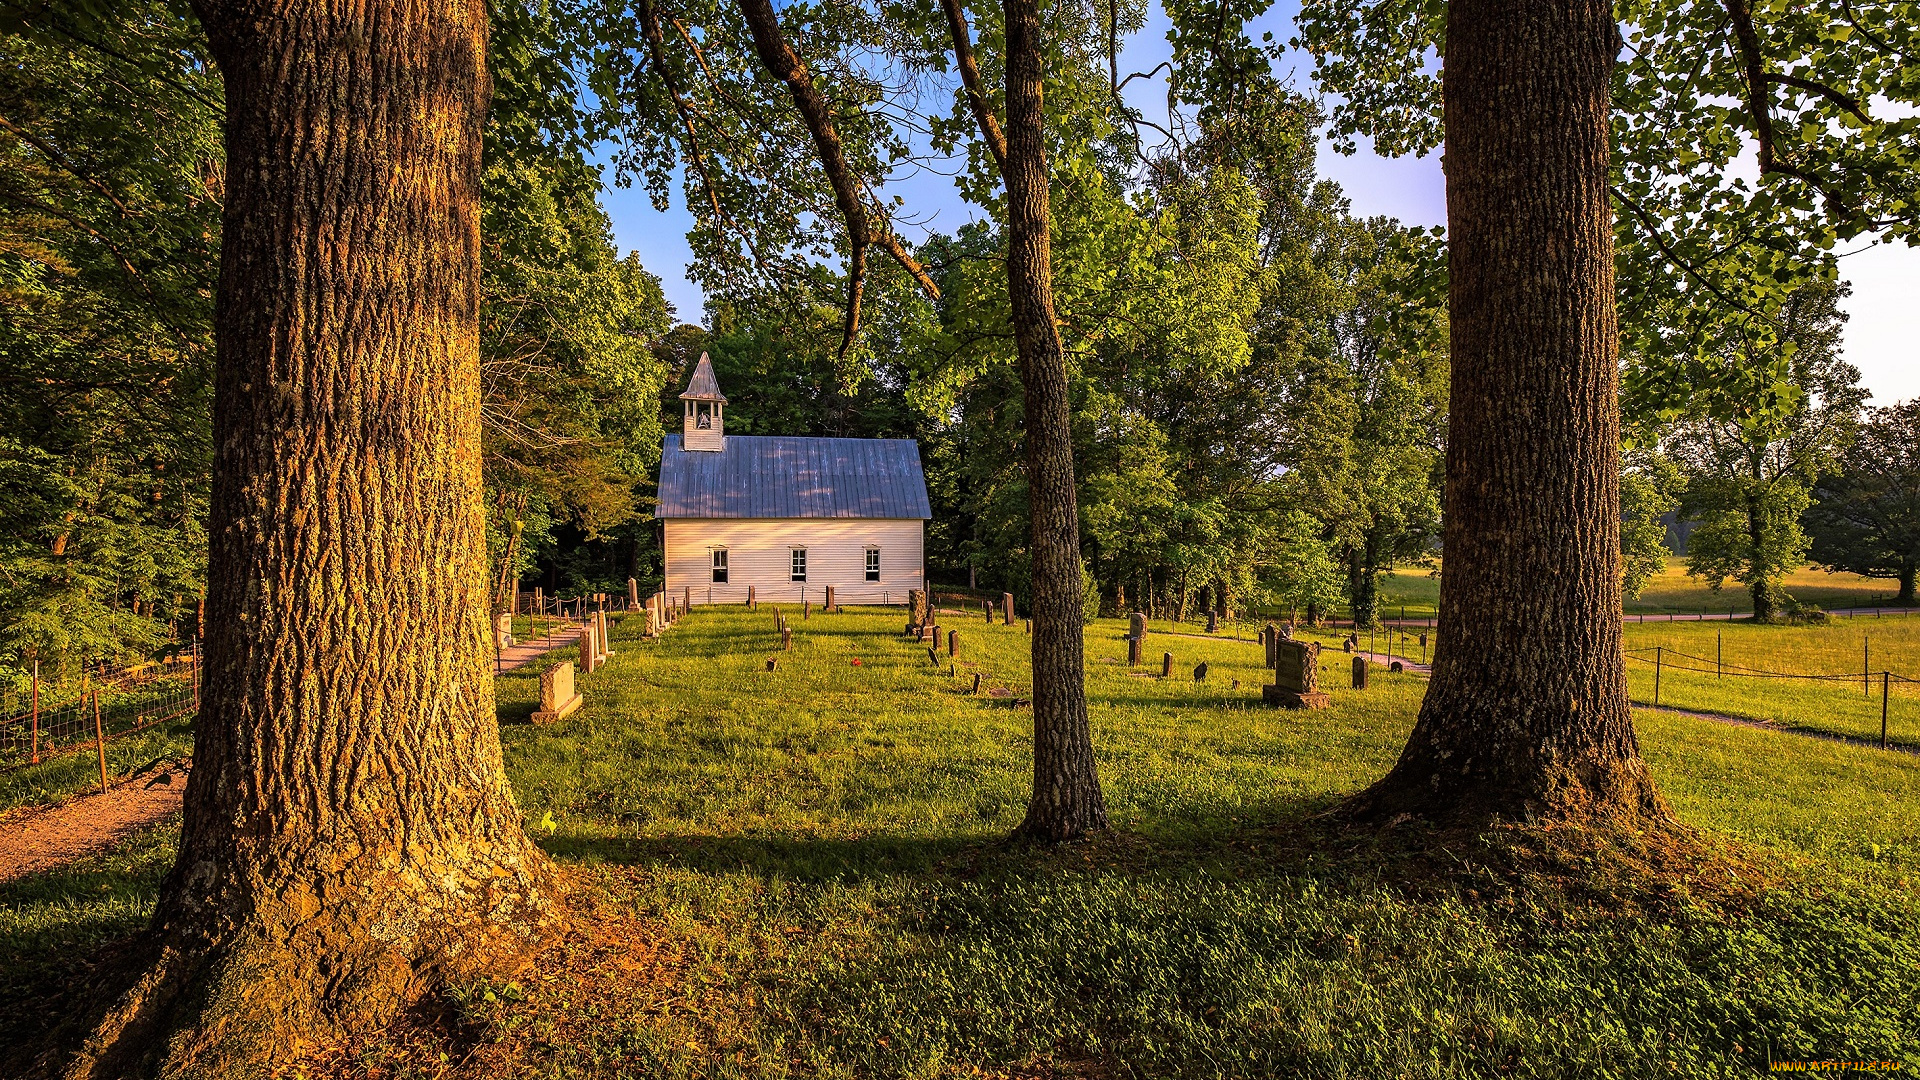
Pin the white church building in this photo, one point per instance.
(787, 517)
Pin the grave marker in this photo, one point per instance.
(1006, 608)
(1200, 672)
(1136, 638)
(1296, 677)
(557, 697)
(1359, 673)
(1166, 665)
(953, 643)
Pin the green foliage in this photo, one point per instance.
(1750, 464)
(1866, 515)
(1650, 487)
(109, 224)
(1707, 259)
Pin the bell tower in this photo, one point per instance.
(706, 406)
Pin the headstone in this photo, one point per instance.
(976, 682)
(987, 610)
(1166, 665)
(687, 599)
(1286, 632)
(751, 603)
(953, 643)
(1272, 637)
(1006, 608)
(1213, 622)
(1396, 667)
(1296, 677)
(829, 604)
(601, 636)
(633, 595)
(806, 610)
(589, 652)
(1351, 643)
(786, 638)
(933, 657)
(557, 696)
(772, 663)
(917, 608)
(503, 631)
(1200, 672)
(1359, 673)
(1136, 638)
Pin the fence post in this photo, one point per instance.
(1866, 667)
(1717, 652)
(1658, 651)
(99, 741)
(36, 712)
(1885, 678)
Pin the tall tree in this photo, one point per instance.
(1540, 725)
(1527, 710)
(1066, 788)
(1751, 456)
(349, 838)
(1865, 517)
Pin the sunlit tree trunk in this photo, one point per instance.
(1066, 788)
(1527, 710)
(349, 839)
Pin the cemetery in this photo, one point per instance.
(862, 541)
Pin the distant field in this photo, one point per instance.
(1671, 592)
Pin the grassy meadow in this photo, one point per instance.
(1672, 591)
(803, 872)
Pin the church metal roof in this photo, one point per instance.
(760, 476)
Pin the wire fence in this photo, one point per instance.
(48, 720)
(1666, 658)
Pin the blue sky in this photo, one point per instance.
(1883, 332)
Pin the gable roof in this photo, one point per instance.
(758, 476)
(703, 386)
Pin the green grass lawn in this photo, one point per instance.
(1418, 591)
(803, 873)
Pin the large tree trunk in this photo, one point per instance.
(1907, 573)
(1527, 710)
(1760, 588)
(349, 839)
(1066, 788)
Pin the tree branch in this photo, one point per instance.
(780, 59)
(1851, 104)
(970, 78)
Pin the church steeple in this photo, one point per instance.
(705, 407)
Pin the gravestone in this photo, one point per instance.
(1296, 677)
(1359, 673)
(933, 657)
(1213, 622)
(1200, 672)
(589, 652)
(1136, 638)
(600, 635)
(772, 663)
(786, 637)
(633, 594)
(829, 604)
(976, 682)
(503, 631)
(1166, 665)
(953, 643)
(1351, 643)
(751, 604)
(1286, 632)
(557, 696)
(687, 599)
(1006, 608)
(916, 610)
(806, 610)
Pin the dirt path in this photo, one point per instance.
(43, 839)
(560, 636)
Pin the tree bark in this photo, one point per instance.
(349, 840)
(1527, 714)
(1066, 787)
(1907, 573)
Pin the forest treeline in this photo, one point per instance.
(1258, 377)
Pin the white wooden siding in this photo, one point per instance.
(759, 554)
